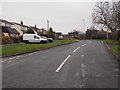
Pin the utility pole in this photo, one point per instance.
(47, 25)
(84, 25)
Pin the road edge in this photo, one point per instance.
(112, 52)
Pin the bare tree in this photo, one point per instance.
(106, 13)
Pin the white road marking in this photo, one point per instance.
(83, 70)
(81, 86)
(77, 74)
(58, 69)
(12, 58)
(82, 55)
(108, 47)
(83, 44)
(30, 54)
(116, 75)
(116, 70)
(102, 41)
(76, 49)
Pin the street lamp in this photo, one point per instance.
(84, 25)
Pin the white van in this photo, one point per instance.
(33, 38)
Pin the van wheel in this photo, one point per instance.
(41, 42)
(27, 42)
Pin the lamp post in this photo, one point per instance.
(84, 25)
(47, 25)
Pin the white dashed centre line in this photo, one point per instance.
(12, 58)
(76, 49)
(83, 44)
(83, 69)
(61, 65)
(82, 55)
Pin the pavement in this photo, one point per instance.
(85, 64)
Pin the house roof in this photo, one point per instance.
(34, 28)
(10, 30)
(20, 24)
(5, 21)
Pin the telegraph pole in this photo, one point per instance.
(84, 25)
(47, 25)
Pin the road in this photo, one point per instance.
(85, 64)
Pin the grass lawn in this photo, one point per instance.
(110, 41)
(116, 50)
(20, 48)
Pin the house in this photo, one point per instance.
(8, 29)
(20, 28)
(91, 34)
(102, 34)
(74, 34)
(35, 29)
(11, 32)
(42, 31)
(58, 35)
(66, 36)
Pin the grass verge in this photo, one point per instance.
(21, 48)
(116, 50)
(110, 41)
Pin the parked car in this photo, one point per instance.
(33, 38)
(49, 39)
(60, 37)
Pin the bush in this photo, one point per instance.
(30, 31)
(6, 40)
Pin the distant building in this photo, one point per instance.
(66, 36)
(91, 34)
(74, 34)
(58, 35)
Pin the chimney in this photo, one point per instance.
(21, 22)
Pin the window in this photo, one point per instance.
(36, 37)
(12, 26)
(8, 25)
(2, 24)
(24, 28)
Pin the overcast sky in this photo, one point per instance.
(63, 16)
